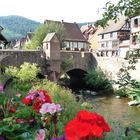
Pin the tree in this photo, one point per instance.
(128, 8)
(42, 31)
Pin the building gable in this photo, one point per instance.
(72, 31)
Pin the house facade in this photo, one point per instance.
(23, 41)
(135, 33)
(112, 36)
(91, 32)
(73, 37)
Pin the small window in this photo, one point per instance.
(136, 22)
(102, 45)
(134, 40)
(47, 46)
(111, 35)
(102, 36)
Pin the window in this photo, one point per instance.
(47, 46)
(114, 43)
(136, 22)
(134, 40)
(111, 35)
(102, 45)
(102, 36)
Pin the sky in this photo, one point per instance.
(67, 10)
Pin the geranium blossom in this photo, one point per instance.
(40, 135)
(86, 125)
(37, 99)
(50, 108)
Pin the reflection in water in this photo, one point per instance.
(116, 109)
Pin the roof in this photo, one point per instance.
(29, 35)
(112, 26)
(1, 28)
(2, 38)
(88, 30)
(72, 31)
(49, 37)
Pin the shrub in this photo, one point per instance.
(97, 80)
(63, 97)
(26, 72)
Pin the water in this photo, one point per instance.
(116, 109)
(119, 116)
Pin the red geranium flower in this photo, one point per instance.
(37, 98)
(85, 126)
(12, 110)
(37, 104)
(19, 121)
(26, 100)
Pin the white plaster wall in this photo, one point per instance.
(112, 65)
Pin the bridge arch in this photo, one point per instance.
(74, 78)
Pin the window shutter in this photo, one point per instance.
(138, 21)
(132, 23)
(131, 39)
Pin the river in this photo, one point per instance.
(118, 115)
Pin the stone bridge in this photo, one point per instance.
(82, 61)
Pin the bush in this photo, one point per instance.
(97, 80)
(64, 97)
(26, 72)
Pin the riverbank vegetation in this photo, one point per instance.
(128, 86)
(96, 80)
(32, 108)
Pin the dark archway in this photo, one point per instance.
(77, 79)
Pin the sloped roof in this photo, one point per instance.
(29, 35)
(2, 38)
(72, 31)
(49, 37)
(1, 28)
(112, 26)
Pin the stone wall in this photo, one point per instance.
(82, 60)
(111, 66)
(16, 58)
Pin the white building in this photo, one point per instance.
(135, 33)
(112, 36)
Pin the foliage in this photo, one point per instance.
(125, 80)
(11, 71)
(128, 8)
(26, 72)
(10, 24)
(64, 97)
(134, 93)
(42, 31)
(97, 80)
(121, 132)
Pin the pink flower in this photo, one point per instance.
(58, 107)
(42, 96)
(50, 108)
(44, 108)
(40, 135)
